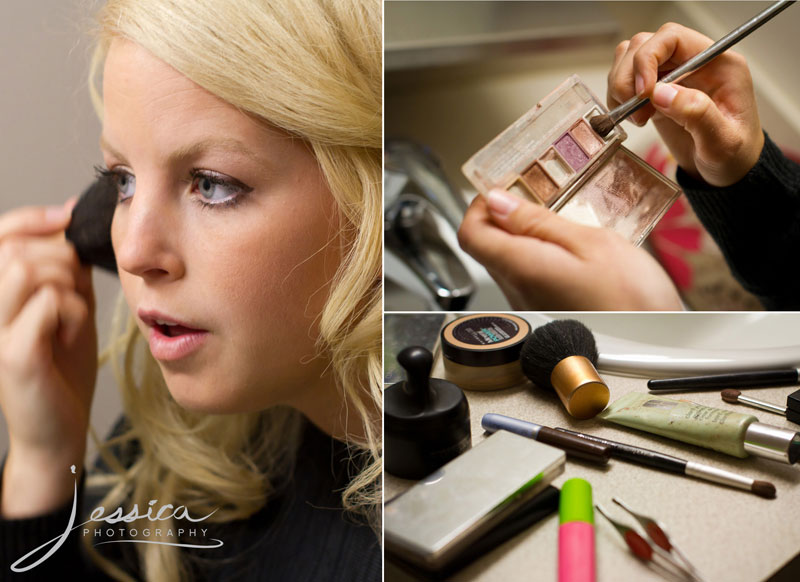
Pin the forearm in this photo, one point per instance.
(756, 223)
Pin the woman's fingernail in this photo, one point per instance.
(664, 95)
(501, 203)
(638, 84)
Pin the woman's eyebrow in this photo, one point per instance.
(196, 148)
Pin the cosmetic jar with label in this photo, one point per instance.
(481, 351)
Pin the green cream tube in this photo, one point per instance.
(725, 431)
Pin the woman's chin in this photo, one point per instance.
(196, 396)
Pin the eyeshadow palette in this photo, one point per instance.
(552, 156)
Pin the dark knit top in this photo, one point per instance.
(302, 534)
(756, 223)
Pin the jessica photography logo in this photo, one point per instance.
(188, 536)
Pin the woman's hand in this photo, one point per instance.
(710, 121)
(48, 358)
(543, 261)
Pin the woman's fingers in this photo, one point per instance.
(49, 312)
(521, 217)
(622, 83)
(35, 220)
(640, 62)
(22, 274)
(671, 46)
(518, 241)
(723, 149)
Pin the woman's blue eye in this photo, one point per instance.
(126, 184)
(215, 188)
(124, 181)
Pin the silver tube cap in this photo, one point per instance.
(772, 442)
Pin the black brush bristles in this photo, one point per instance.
(601, 124)
(551, 343)
(90, 227)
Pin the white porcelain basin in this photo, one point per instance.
(674, 344)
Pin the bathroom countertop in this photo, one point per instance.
(728, 534)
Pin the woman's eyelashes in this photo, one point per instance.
(216, 189)
(207, 187)
(122, 178)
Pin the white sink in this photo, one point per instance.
(674, 344)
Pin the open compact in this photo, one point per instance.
(552, 156)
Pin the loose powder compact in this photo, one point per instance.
(552, 156)
(481, 351)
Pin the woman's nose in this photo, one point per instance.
(145, 234)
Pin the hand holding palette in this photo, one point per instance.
(552, 156)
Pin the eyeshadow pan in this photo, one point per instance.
(541, 185)
(571, 151)
(586, 138)
(521, 190)
(555, 167)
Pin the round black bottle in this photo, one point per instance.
(426, 420)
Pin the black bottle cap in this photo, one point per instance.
(426, 420)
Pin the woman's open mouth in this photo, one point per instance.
(171, 340)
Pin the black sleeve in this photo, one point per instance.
(756, 223)
(18, 537)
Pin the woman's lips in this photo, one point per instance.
(170, 339)
(170, 348)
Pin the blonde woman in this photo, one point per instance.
(243, 137)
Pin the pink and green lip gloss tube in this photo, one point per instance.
(576, 532)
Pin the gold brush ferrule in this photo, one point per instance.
(580, 388)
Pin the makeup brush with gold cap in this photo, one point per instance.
(562, 355)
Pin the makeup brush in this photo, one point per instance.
(90, 227)
(603, 124)
(791, 411)
(744, 379)
(561, 356)
(670, 464)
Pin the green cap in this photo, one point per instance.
(575, 502)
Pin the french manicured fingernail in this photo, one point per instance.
(501, 203)
(55, 213)
(638, 84)
(664, 95)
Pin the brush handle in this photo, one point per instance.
(761, 405)
(574, 446)
(633, 454)
(635, 103)
(756, 378)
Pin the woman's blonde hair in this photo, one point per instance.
(312, 68)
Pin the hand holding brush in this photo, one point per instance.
(709, 123)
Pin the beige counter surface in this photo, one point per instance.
(729, 535)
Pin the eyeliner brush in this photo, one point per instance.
(603, 124)
(748, 379)
(670, 464)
